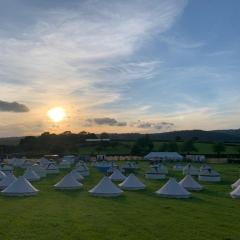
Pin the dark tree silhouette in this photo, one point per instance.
(104, 135)
(219, 148)
(142, 146)
(173, 147)
(188, 146)
(169, 147)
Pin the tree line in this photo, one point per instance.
(145, 145)
(70, 143)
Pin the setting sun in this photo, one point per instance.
(56, 114)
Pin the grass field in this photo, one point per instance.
(124, 147)
(210, 214)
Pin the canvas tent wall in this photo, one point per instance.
(173, 190)
(164, 156)
(68, 182)
(190, 170)
(64, 164)
(82, 170)
(236, 184)
(52, 169)
(17, 162)
(31, 175)
(106, 188)
(130, 167)
(196, 158)
(178, 167)
(154, 173)
(189, 183)
(236, 192)
(2, 175)
(76, 175)
(132, 183)
(101, 157)
(209, 176)
(20, 187)
(39, 170)
(69, 158)
(117, 175)
(5, 182)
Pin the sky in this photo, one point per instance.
(119, 66)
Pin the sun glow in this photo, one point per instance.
(56, 114)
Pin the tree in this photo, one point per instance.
(91, 136)
(169, 147)
(28, 143)
(142, 146)
(66, 133)
(163, 147)
(195, 139)
(45, 134)
(188, 146)
(83, 133)
(178, 139)
(172, 146)
(238, 150)
(104, 135)
(136, 150)
(219, 147)
(1, 150)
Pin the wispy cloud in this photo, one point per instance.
(220, 53)
(180, 42)
(144, 108)
(84, 56)
(152, 125)
(84, 46)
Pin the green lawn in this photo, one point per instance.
(210, 214)
(204, 148)
(119, 149)
(124, 147)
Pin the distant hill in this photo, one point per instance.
(10, 141)
(200, 135)
(216, 135)
(231, 136)
(235, 132)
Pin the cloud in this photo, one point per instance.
(105, 121)
(179, 42)
(220, 53)
(137, 124)
(12, 107)
(87, 45)
(144, 108)
(129, 71)
(152, 125)
(88, 56)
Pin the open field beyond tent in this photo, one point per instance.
(210, 214)
(124, 147)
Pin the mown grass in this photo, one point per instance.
(204, 148)
(210, 214)
(125, 148)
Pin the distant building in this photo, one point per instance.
(196, 158)
(98, 140)
(165, 156)
(52, 156)
(84, 158)
(101, 157)
(69, 158)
